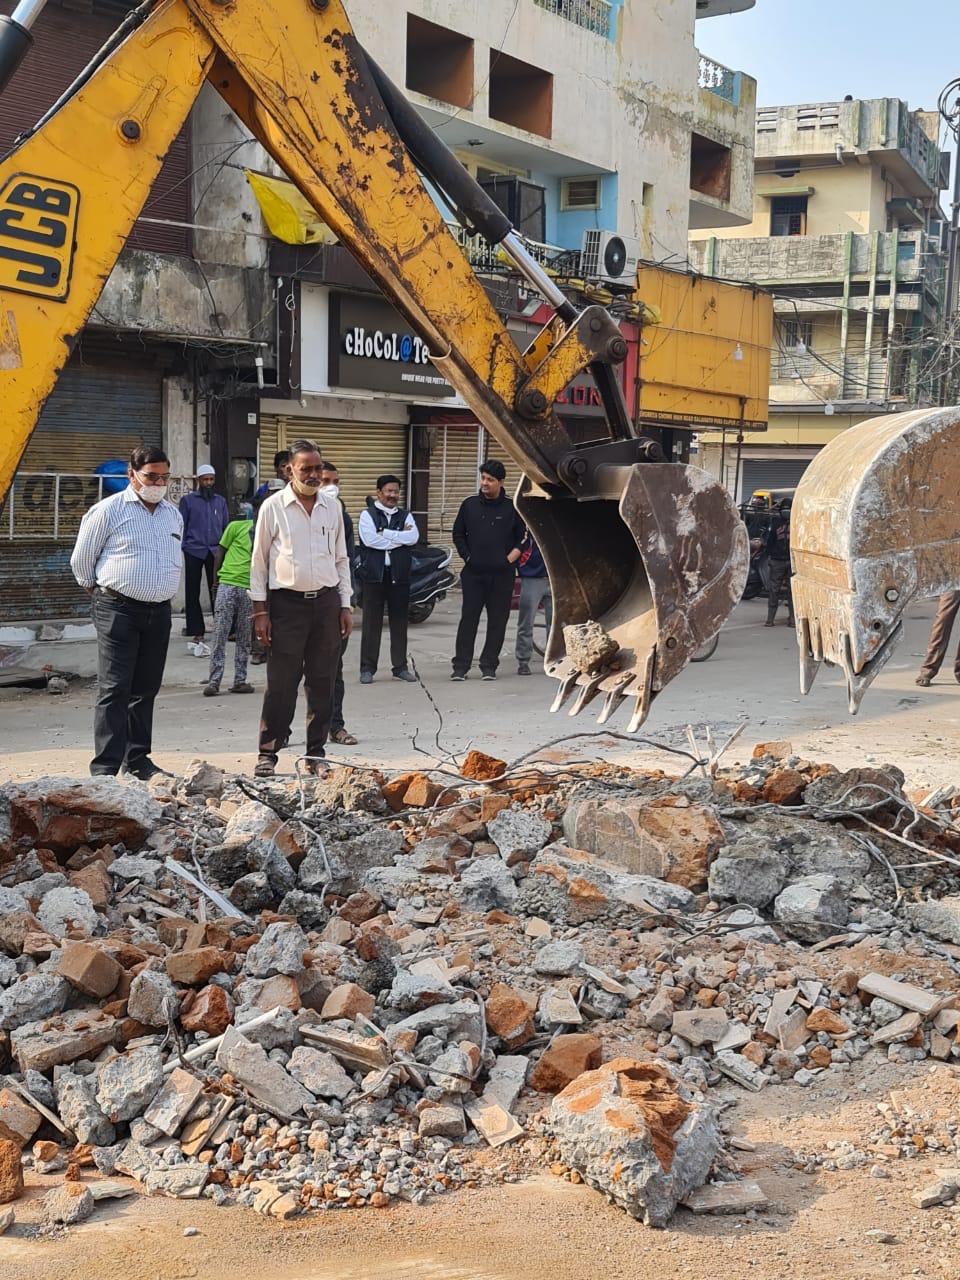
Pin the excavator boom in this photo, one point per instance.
(875, 525)
(651, 552)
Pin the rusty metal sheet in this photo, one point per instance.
(875, 525)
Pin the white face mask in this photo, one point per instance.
(331, 490)
(153, 493)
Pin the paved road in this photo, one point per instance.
(753, 674)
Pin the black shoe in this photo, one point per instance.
(211, 690)
(523, 669)
(458, 675)
(266, 767)
(405, 675)
(488, 675)
(366, 677)
(145, 769)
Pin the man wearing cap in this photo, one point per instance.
(205, 517)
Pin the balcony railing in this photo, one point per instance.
(484, 257)
(719, 79)
(592, 15)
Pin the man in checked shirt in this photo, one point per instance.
(128, 557)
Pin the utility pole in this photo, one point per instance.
(949, 107)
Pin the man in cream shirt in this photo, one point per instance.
(300, 587)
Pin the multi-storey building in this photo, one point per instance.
(847, 231)
(585, 119)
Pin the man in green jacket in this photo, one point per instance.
(234, 612)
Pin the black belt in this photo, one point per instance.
(301, 595)
(122, 599)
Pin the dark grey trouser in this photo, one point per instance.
(132, 643)
(947, 607)
(396, 597)
(533, 591)
(779, 574)
(305, 645)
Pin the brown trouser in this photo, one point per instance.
(304, 644)
(947, 607)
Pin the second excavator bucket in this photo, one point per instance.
(875, 524)
(657, 570)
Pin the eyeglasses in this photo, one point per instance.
(151, 477)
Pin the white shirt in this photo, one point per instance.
(387, 539)
(297, 551)
(124, 546)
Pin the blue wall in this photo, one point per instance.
(566, 228)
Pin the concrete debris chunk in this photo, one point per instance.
(128, 1083)
(263, 1078)
(667, 838)
(726, 1198)
(79, 1109)
(559, 959)
(636, 1135)
(518, 834)
(34, 997)
(320, 1073)
(68, 1204)
(74, 1034)
(171, 1106)
(62, 814)
(701, 1026)
(491, 1120)
(903, 994)
(280, 950)
(899, 1031)
(68, 910)
(153, 999)
(812, 907)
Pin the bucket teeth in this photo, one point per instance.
(567, 674)
(589, 688)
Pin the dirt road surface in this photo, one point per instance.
(816, 1226)
(753, 674)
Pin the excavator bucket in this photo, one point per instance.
(875, 524)
(639, 581)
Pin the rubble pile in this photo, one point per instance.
(343, 992)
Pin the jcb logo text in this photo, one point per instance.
(38, 222)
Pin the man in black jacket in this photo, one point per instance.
(778, 552)
(387, 535)
(487, 533)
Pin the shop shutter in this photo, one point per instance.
(771, 473)
(454, 458)
(64, 42)
(361, 450)
(98, 411)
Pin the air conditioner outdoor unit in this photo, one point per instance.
(610, 257)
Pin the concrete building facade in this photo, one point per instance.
(583, 118)
(847, 230)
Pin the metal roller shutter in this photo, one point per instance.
(361, 450)
(454, 458)
(772, 473)
(38, 584)
(96, 412)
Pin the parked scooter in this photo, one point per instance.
(430, 580)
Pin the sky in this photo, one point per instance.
(821, 50)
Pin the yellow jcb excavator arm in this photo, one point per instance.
(652, 551)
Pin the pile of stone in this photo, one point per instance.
(335, 994)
